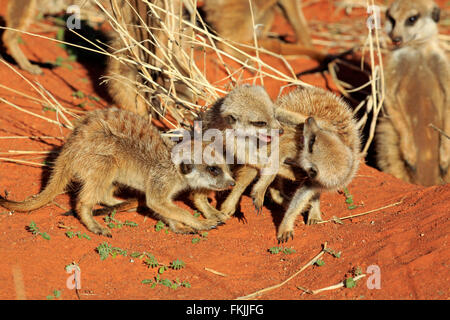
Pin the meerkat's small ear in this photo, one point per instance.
(186, 168)
(311, 124)
(231, 119)
(290, 161)
(436, 14)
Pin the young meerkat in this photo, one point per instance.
(235, 20)
(115, 146)
(244, 110)
(417, 77)
(247, 113)
(320, 148)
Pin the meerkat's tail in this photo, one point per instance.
(59, 179)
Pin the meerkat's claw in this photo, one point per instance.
(284, 237)
(312, 221)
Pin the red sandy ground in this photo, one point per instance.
(409, 241)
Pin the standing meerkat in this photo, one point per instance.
(133, 87)
(127, 85)
(114, 146)
(320, 147)
(21, 13)
(417, 77)
(232, 20)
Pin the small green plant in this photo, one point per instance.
(203, 236)
(114, 223)
(173, 284)
(276, 250)
(78, 94)
(104, 250)
(333, 253)
(319, 262)
(349, 283)
(94, 98)
(71, 234)
(35, 230)
(56, 295)
(152, 262)
(349, 200)
(161, 226)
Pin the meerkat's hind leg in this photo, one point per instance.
(108, 198)
(87, 199)
(259, 191)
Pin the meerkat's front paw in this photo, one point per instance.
(96, 228)
(284, 235)
(312, 220)
(34, 69)
(179, 227)
(258, 201)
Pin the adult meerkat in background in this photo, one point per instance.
(114, 146)
(320, 147)
(21, 13)
(417, 77)
(127, 85)
(130, 88)
(232, 20)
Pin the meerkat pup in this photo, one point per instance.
(114, 146)
(319, 147)
(236, 20)
(417, 77)
(243, 112)
(246, 118)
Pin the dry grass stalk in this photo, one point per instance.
(333, 287)
(365, 213)
(260, 292)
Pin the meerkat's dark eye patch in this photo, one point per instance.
(311, 142)
(231, 119)
(259, 124)
(186, 168)
(213, 170)
(391, 20)
(436, 14)
(412, 20)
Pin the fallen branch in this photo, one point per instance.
(259, 292)
(333, 287)
(216, 272)
(365, 213)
